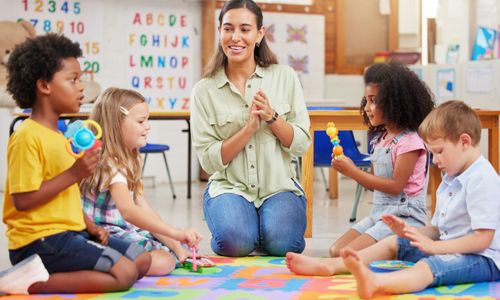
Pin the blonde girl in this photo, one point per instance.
(113, 196)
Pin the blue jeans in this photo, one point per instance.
(451, 269)
(238, 227)
(71, 251)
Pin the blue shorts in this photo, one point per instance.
(451, 269)
(72, 251)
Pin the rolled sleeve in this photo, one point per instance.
(299, 119)
(205, 141)
(212, 158)
(301, 141)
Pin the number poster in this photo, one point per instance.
(81, 21)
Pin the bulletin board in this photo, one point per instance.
(298, 41)
(146, 46)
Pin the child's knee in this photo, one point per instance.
(334, 250)
(143, 263)
(162, 263)
(125, 272)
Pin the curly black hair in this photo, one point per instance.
(403, 98)
(37, 58)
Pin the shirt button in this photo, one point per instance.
(252, 166)
(445, 232)
(403, 200)
(442, 214)
(253, 185)
(450, 194)
(249, 146)
(246, 105)
(249, 86)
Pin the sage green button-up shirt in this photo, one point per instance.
(263, 168)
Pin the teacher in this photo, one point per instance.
(249, 118)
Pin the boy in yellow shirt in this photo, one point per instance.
(42, 207)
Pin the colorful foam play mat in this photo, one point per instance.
(262, 278)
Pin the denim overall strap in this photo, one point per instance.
(400, 205)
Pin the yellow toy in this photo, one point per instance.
(333, 132)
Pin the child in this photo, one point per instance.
(462, 245)
(42, 207)
(113, 196)
(395, 103)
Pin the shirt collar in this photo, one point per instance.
(221, 77)
(462, 178)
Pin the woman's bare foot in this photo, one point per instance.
(365, 279)
(306, 265)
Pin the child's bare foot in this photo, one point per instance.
(306, 265)
(365, 279)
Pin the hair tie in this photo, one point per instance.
(124, 110)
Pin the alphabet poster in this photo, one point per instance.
(160, 55)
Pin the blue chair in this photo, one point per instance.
(323, 156)
(158, 148)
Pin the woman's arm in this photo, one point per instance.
(281, 129)
(233, 145)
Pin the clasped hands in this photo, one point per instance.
(260, 110)
(417, 239)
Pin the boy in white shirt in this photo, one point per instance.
(462, 245)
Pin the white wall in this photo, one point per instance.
(453, 27)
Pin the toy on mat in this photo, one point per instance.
(384, 266)
(81, 138)
(201, 264)
(193, 249)
(333, 132)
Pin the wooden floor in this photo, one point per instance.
(331, 217)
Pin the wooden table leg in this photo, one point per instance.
(307, 183)
(333, 183)
(434, 181)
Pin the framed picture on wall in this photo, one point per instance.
(446, 85)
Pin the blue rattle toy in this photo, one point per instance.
(81, 138)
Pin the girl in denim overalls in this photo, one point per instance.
(395, 103)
